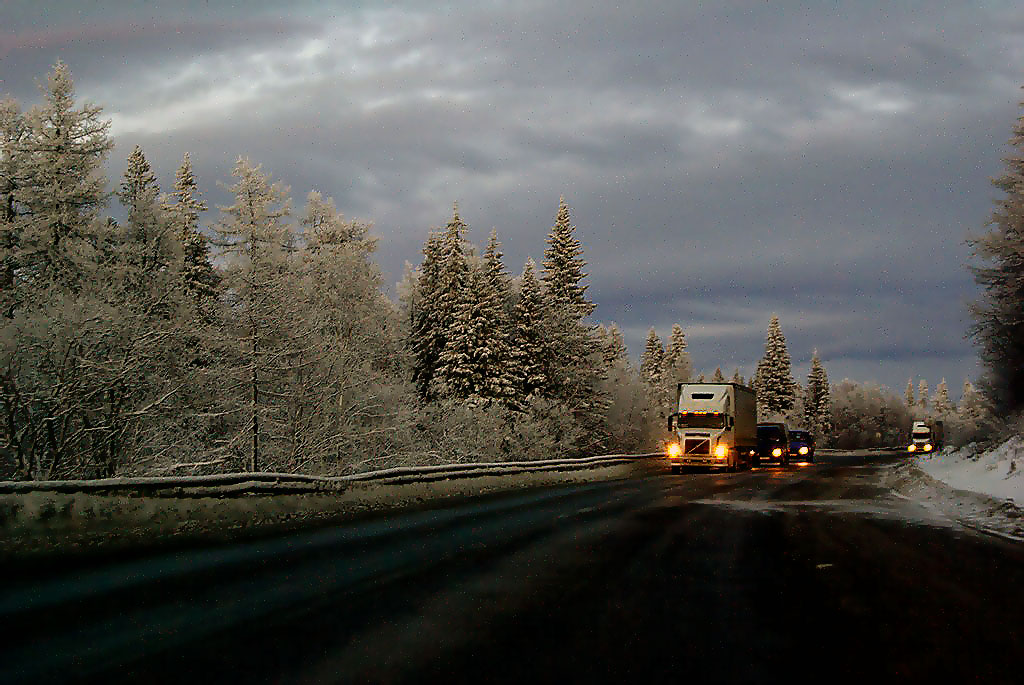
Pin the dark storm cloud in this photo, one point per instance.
(723, 161)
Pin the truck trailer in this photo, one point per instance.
(926, 436)
(714, 425)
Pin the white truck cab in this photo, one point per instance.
(714, 425)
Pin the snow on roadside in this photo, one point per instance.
(995, 473)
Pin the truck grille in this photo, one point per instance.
(696, 446)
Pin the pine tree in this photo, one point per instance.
(972, 410)
(615, 351)
(700, 379)
(718, 377)
(147, 244)
(737, 378)
(922, 396)
(198, 275)
(941, 405)
(478, 362)
(818, 402)
(999, 315)
(676, 368)
(908, 395)
(427, 337)
(451, 294)
(652, 360)
(563, 267)
(531, 344)
(775, 387)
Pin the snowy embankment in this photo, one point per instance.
(982, 490)
(996, 472)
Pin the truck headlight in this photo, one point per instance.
(803, 450)
(777, 452)
(673, 449)
(911, 448)
(721, 451)
(927, 448)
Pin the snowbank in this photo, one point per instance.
(996, 473)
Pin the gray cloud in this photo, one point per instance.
(723, 161)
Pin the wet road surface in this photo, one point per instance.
(796, 574)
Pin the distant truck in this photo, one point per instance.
(926, 436)
(714, 425)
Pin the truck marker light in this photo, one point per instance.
(721, 451)
(673, 449)
(911, 448)
(777, 452)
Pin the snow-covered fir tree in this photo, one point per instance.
(700, 378)
(999, 314)
(908, 395)
(737, 378)
(972, 411)
(941, 406)
(184, 208)
(652, 359)
(775, 387)
(530, 341)
(563, 265)
(428, 337)
(614, 346)
(477, 362)
(717, 377)
(676, 367)
(576, 373)
(818, 402)
(922, 397)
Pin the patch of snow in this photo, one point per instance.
(996, 472)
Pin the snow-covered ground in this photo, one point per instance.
(996, 472)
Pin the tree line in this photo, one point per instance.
(257, 337)
(261, 339)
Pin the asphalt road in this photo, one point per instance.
(800, 574)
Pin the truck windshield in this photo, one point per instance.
(704, 419)
(922, 433)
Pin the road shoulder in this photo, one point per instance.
(973, 510)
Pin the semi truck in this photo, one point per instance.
(714, 425)
(926, 436)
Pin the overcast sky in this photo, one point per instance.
(723, 160)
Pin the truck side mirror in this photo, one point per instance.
(672, 421)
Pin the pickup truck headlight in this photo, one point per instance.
(777, 452)
(803, 450)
